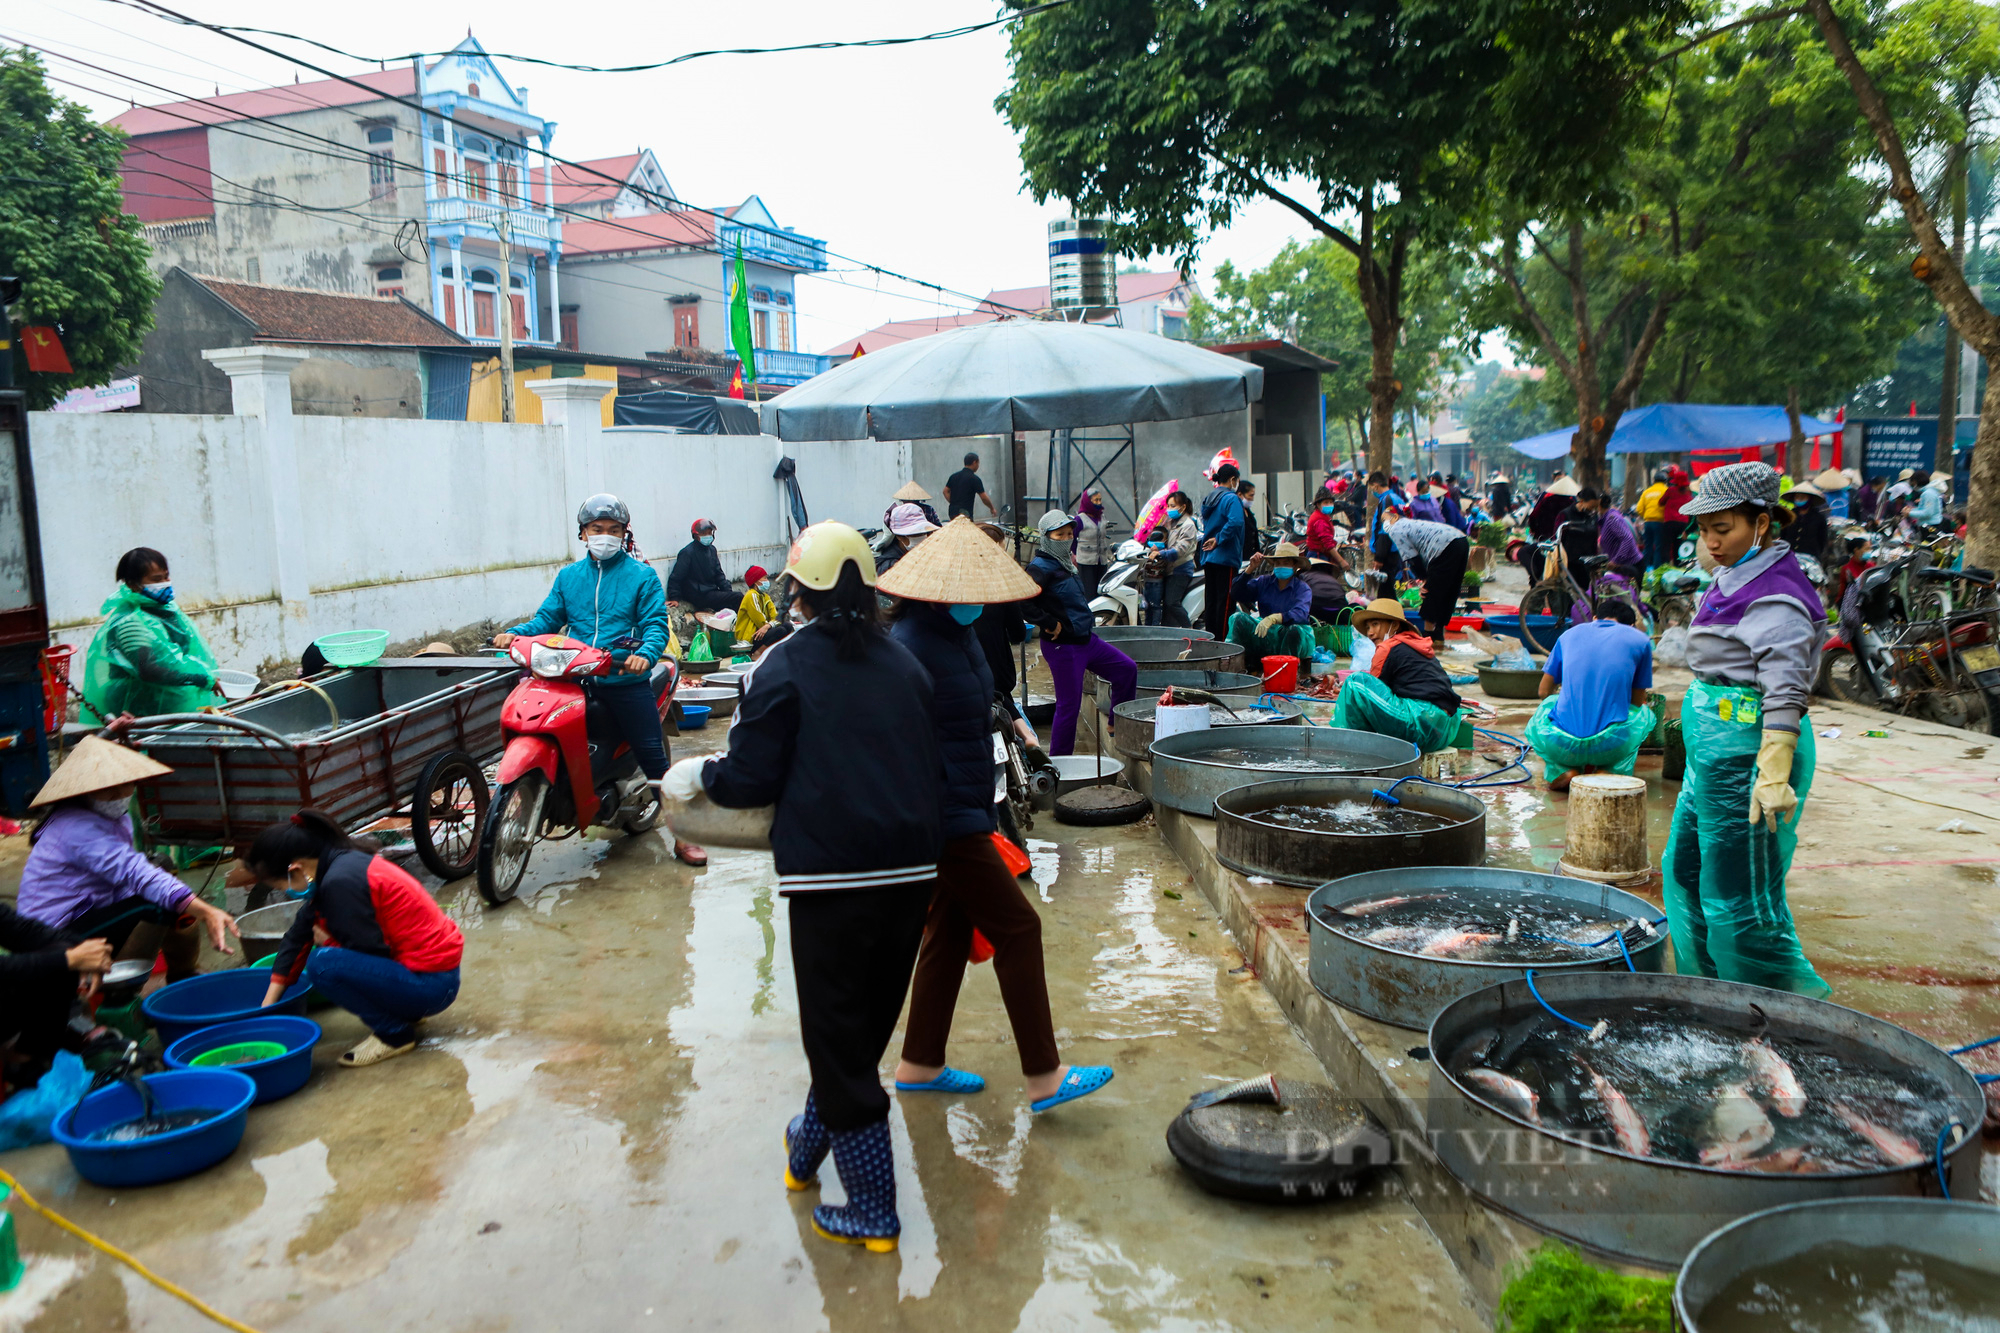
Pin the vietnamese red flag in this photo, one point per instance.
(45, 350)
(736, 381)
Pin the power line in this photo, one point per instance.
(667, 202)
(963, 31)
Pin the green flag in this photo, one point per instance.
(739, 320)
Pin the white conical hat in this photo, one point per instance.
(958, 564)
(911, 491)
(97, 765)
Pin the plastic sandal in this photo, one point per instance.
(1081, 1081)
(949, 1080)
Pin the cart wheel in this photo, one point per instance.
(509, 835)
(446, 810)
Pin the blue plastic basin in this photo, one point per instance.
(217, 997)
(168, 1156)
(278, 1077)
(694, 717)
(1510, 627)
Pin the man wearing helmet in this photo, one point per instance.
(696, 582)
(607, 596)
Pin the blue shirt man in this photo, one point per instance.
(1603, 669)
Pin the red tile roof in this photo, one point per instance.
(647, 231)
(292, 314)
(907, 330)
(284, 100)
(575, 187)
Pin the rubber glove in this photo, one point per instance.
(1772, 797)
(1268, 623)
(683, 781)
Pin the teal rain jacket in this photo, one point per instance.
(600, 602)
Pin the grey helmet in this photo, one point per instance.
(602, 505)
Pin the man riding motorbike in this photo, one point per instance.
(607, 596)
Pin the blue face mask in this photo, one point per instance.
(707, 540)
(1326, 509)
(965, 615)
(1283, 571)
(1156, 543)
(159, 592)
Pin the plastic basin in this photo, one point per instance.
(236, 684)
(166, 1156)
(277, 1076)
(694, 717)
(217, 997)
(354, 647)
(1510, 626)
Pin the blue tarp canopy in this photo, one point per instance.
(1684, 428)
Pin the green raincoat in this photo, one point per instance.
(147, 659)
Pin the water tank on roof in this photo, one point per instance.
(1083, 274)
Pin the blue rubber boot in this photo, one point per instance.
(867, 1169)
(806, 1142)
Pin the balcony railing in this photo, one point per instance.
(775, 367)
(524, 224)
(785, 248)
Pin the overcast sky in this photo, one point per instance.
(894, 156)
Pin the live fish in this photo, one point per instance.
(1409, 938)
(1511, 1093)
(1738, 1128)
(1895, 1149)
(1456, 941)
(1626, 1125)
(1382, 904)
(1772, 1075)
(1784, 1162)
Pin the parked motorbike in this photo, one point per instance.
(1022, 773)
(562, 771)
(1121, 598)
(1944, 669)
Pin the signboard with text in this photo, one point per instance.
(1890, 444)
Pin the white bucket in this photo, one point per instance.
(236, 684)
(1173, 719)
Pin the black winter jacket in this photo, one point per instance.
(848, 752)
(998, 629)
(1062, 603)
(963, 707)
(37, 953)
(697, 580)
(1410, 674)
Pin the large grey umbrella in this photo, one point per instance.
(1009, 375)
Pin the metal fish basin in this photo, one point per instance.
(1652, 1210)
(1960, 1231)
(1409, 990)
(1134, 733)
(1124, 634)
(1234, 684)
(1192, 769)
(1181, 654)
(1246, 840)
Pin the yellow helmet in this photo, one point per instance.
(821, 550)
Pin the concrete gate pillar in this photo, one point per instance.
(576, 406)
(260, 384)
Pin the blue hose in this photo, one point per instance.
(1630, 966)
(1937, 1155)
(1973, 1046)
(1530, 978)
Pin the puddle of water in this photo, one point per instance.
(1150, 985)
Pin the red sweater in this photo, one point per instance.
(374, 905)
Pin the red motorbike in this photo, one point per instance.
(562, 770)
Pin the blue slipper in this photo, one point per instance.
(1081, 1081)
(950, 1080)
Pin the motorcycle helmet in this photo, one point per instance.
(820, 551)
(602, 505)
(699, 526)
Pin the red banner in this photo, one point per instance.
(45, 350)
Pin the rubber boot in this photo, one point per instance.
(806, 1142)
(867, 1169)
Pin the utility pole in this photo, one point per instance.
(500, 228)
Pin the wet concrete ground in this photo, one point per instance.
(591, 1139)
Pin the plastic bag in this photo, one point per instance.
(1364, 654)
(1515, 659)
(27, 1116)
(699, 651)
(1672, 649)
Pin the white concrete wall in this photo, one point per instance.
(414, 527)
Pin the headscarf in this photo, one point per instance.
(1086, 505)
(1056, 551)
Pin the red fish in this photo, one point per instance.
(1772, 1076)
(1627, 1126)
(1456, 941)
(1895, 1149)
(1509, 1093)
(1738, 1129)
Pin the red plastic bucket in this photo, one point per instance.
(1281, 674)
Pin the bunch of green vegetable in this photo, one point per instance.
(1557, 1292)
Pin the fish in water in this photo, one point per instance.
(1771, 1075)
(1408, 938)
(1456, 941)
(1895, 1149)
(1784, 1162)
(1510, 1093)
(1738, 1128)
(1379, 905)
(1626, 1125)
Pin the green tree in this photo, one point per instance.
(64, 232)
(1376, 121)
(1740, 195)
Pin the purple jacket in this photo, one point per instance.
(1425, 506)
(81, 860)
(1293, 601)
(1615, 539)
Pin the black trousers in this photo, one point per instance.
(1215, 589)
(634, 712)
(34, 1015)
(1443, 579)
(1173, 593)
(852, 954)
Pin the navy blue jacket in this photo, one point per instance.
(963, 707)
(1222, 518)
(1061, 603)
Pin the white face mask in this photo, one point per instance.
(113, 808)
(603, 546)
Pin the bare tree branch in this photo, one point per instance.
(1761, 16)
(1507, 273)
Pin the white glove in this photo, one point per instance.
(683, 781)
(1267, 624)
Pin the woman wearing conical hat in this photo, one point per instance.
(84, 876)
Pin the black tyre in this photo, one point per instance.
(1842, 677)
(1101, 806)
(507, 839)
(1252, 1149)
(1550, 601)
(1671, 611)
(447, 812)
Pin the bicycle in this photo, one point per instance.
(1565, 601)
